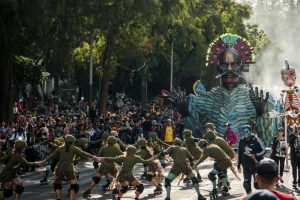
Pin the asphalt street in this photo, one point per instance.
(35, 191)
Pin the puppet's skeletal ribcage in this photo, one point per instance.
(292, 104)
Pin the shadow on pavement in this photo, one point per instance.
(282, 188)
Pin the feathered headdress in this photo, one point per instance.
(228, 40)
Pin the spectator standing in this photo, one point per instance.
(93, 113)
(230, 136)
(29, 152)
(147, 127)
(253, 125)
(155, 126)
(73, 130)
(66, 130)
(3, 127)
(294, 143)
(19, 134)
(279, 148)
(44, 129)
(168, 132)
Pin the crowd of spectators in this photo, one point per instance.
(56, 118)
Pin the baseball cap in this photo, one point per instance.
(267, 168)
(262, 195)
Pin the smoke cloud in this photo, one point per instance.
(280, 21)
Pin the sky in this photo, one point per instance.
(280, 23)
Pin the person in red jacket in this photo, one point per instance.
(230, 136)
(168, 132)
(267, 177)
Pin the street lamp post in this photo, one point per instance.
(171, 70)
(171, 58)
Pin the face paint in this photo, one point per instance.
(247, 132)
(230, 68)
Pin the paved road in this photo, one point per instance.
(35, 191)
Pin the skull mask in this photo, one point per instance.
(288, 75)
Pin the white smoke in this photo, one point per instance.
(280, 21)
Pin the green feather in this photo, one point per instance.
(229, 38)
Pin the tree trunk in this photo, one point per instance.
(6, 73)
(144, 85)
(56, 84)
(105, 77)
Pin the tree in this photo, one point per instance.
(19, 29)
(125, 42)
(115, 23)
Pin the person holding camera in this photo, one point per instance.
(294, 143)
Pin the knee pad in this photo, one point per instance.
(7, 193)
(195, 180)
(19, 188)
(140, 188)
(74, 187)
(124, 189)
(167, 182)
(221, 175)
(212, 176)
(96, 179)
(57, 186)
(149, 177)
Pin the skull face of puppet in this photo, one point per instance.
(288, 76)
(229, 67)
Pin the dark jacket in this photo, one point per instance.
(252, 145)
(294, 143)
(277, 148)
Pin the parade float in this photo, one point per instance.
(231, 101)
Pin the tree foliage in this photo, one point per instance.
(131, 42)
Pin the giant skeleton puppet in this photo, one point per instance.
(231, 101)
(290, 101)
(290, 97)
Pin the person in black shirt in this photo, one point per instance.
(279, 148)
(93, 113)
(250, 151)
(29, 152)
(253, 125)
(147, 127)
(294, 143)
